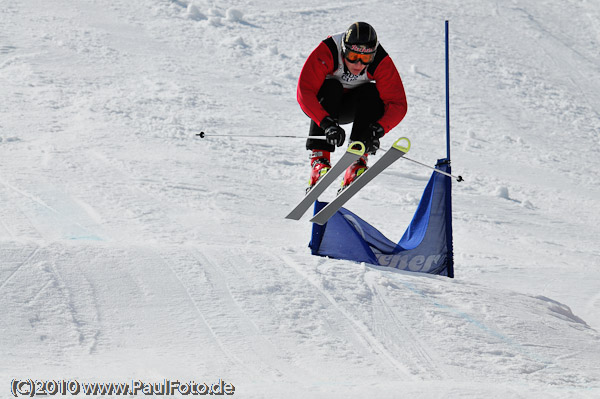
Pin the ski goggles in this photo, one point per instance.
(354, 57)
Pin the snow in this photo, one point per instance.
(130, 248)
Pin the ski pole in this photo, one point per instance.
(203, 135)
(458, 178)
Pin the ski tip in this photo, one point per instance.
(357, 147)
(403, 148)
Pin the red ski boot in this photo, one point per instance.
(356, 169)
(320, 162)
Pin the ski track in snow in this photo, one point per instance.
(359, 326)
(132, 249)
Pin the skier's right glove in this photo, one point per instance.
(334, 134)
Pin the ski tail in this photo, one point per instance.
(354, 151)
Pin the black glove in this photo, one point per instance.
(374, 133)
(334, 134)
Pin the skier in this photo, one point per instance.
(349, 78)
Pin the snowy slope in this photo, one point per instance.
(132, 249)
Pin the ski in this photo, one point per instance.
(393, 154)
(355, 150)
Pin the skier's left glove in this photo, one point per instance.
(374, 133)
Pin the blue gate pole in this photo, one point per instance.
(447, 97)
(449, 244)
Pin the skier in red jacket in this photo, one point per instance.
(349, 78)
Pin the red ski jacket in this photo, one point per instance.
(326, 60)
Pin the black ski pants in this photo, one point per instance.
(360, 106)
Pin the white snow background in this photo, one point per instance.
(132, 249)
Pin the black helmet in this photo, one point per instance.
(360, 37)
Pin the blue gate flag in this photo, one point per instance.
(425, 247)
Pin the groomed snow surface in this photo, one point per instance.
(131, 249)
